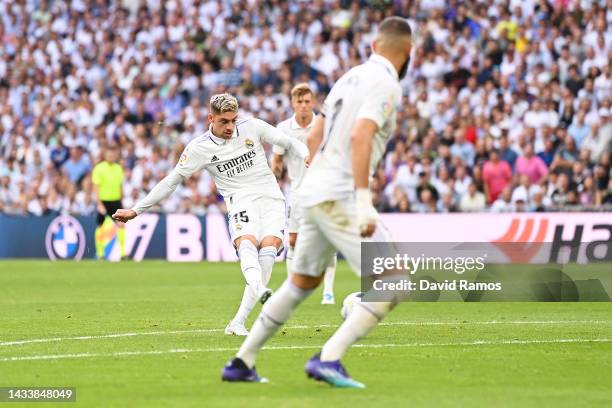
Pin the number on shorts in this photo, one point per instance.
(241, 216)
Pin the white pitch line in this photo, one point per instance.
(106, 336)
(229, 349)
(160, 332)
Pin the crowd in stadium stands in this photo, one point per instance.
(507, 106)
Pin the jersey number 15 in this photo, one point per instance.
(241, 216)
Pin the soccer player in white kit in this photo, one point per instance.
(232, 152)
(298, 126)
(357, 120)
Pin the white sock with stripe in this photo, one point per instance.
(267, 256)
(249, 264)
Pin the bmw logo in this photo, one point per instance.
(65, 238)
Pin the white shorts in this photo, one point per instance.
(261, 217)
(329, 227)
(294, 216)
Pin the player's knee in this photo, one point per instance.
(271, 241)
(306, 282)
(244, 238)
(292, 239)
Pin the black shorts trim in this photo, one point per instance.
(111, 207)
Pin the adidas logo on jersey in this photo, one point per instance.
(214, 159)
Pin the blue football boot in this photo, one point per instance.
(332, 372)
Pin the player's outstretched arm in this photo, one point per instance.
(362, 136)
(272, 135)
(315, 136)
(161, 191)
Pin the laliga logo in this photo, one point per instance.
(65, 238)
(525, 245)
(523, 241)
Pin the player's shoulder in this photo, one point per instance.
(200, 143)
(245, 121)
(248, 121)
(200, 139)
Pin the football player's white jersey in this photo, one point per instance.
(295, 164)
(368, 91)
(239, 165)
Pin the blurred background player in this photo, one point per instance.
(298, 126)
(107, 180)
(232, 152)
(351, 135)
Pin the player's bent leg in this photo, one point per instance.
(292, 292)
(236, 326)
(336, 222)
(272, 225)
(273, 315)
(249, 263)
(251, 270)
(269, 249)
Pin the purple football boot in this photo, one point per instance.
(332, 372)
(237, 371)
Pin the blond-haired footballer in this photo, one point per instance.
(298, 126)
(232, 152)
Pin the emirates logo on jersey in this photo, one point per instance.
(249, 144)
(237, 165)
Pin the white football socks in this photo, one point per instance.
(363, 318)
(267, 256)
(330, 275)
(289, 259)
(273, 315)
(249, 300)
(249, 264)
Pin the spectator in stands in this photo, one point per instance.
(504, 202)
(579, 130)
(77, 166)
(473, 200)
(528, 78)
(496, 174)
(531, 165)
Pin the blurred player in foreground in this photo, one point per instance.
(232, 152)
(298, 126)
(357, 120)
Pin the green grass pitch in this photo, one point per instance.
(151, 334)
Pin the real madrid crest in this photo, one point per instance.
(183, 159)
(249, 144)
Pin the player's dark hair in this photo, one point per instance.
(396, 26)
